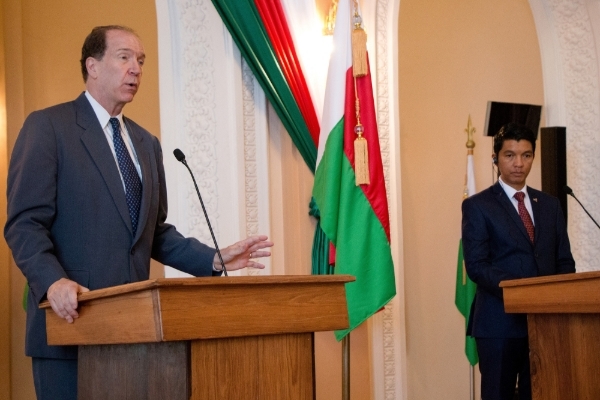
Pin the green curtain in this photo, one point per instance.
(246, 27)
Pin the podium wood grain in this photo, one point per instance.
(563, 318)
(202, 338)
(204, 308)
(149, 371)
(270, 367)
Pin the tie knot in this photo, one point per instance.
(115, 125)
(519, 196)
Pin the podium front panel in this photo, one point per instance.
(270, 367)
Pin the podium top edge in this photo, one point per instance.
(551, 279)
(209, 281)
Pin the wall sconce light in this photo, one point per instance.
(329, 25)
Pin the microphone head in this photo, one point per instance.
(179, 155)
(568, 190)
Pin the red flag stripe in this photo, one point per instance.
(275, 23)
(375, 191)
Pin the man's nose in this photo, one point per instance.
(518, 160)
(136, 68)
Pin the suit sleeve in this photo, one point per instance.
(476, 236)
(31, 192)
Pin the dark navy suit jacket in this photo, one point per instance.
(496, 247)
(68, 217)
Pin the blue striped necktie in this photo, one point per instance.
(133, 184)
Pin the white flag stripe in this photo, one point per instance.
(470, 176)
(341, 60)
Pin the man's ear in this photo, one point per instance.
(92, 67)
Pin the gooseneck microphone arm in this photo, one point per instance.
(181, 158)
(569, 191)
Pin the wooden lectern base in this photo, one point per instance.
(272, 367)
(149, 371)
(564, 356)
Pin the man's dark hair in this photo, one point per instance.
(95, 44)
(513, 131)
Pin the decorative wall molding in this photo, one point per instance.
(571, 85)
(389, 358)
(250, 162)
(198, 92)
(251, 189)
(388, 330)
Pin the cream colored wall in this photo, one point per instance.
(454, 56)
(43, 47)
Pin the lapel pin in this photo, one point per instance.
(535, 199)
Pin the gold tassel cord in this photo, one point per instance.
(361, 151)
(361, 160)
(359, 46)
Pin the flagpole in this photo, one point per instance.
(346, 367)
(472, 379)
(469, 191)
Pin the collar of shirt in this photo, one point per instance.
(103, 118)
(510, 192)
(102, 115)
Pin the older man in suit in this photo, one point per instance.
(509, 231)
(87, 204)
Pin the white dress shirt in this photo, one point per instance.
(510, 192)
(104, 117)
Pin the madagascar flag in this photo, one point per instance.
(354, 218)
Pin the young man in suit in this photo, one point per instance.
(87, 204)
(509, 231)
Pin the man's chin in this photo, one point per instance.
(128, 98)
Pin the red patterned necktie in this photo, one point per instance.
(525, 217)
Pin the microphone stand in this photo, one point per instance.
(570, 193)
(181, 158)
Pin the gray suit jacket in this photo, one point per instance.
(68, 217)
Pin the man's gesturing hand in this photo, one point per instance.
(62, 296)
(241, 254)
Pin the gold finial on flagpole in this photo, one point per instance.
(470, 146)
(470, 131)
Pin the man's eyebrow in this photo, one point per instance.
(128, 50)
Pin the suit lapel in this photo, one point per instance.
(537, 219)
(94, 140)
(143, 156)
(510, 209)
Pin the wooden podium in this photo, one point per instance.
(202, 338)
(563, 317)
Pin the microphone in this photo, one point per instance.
(181, 158)
(569, 191)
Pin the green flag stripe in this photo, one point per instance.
(245, 25)
(349, 221)
(463, 298)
